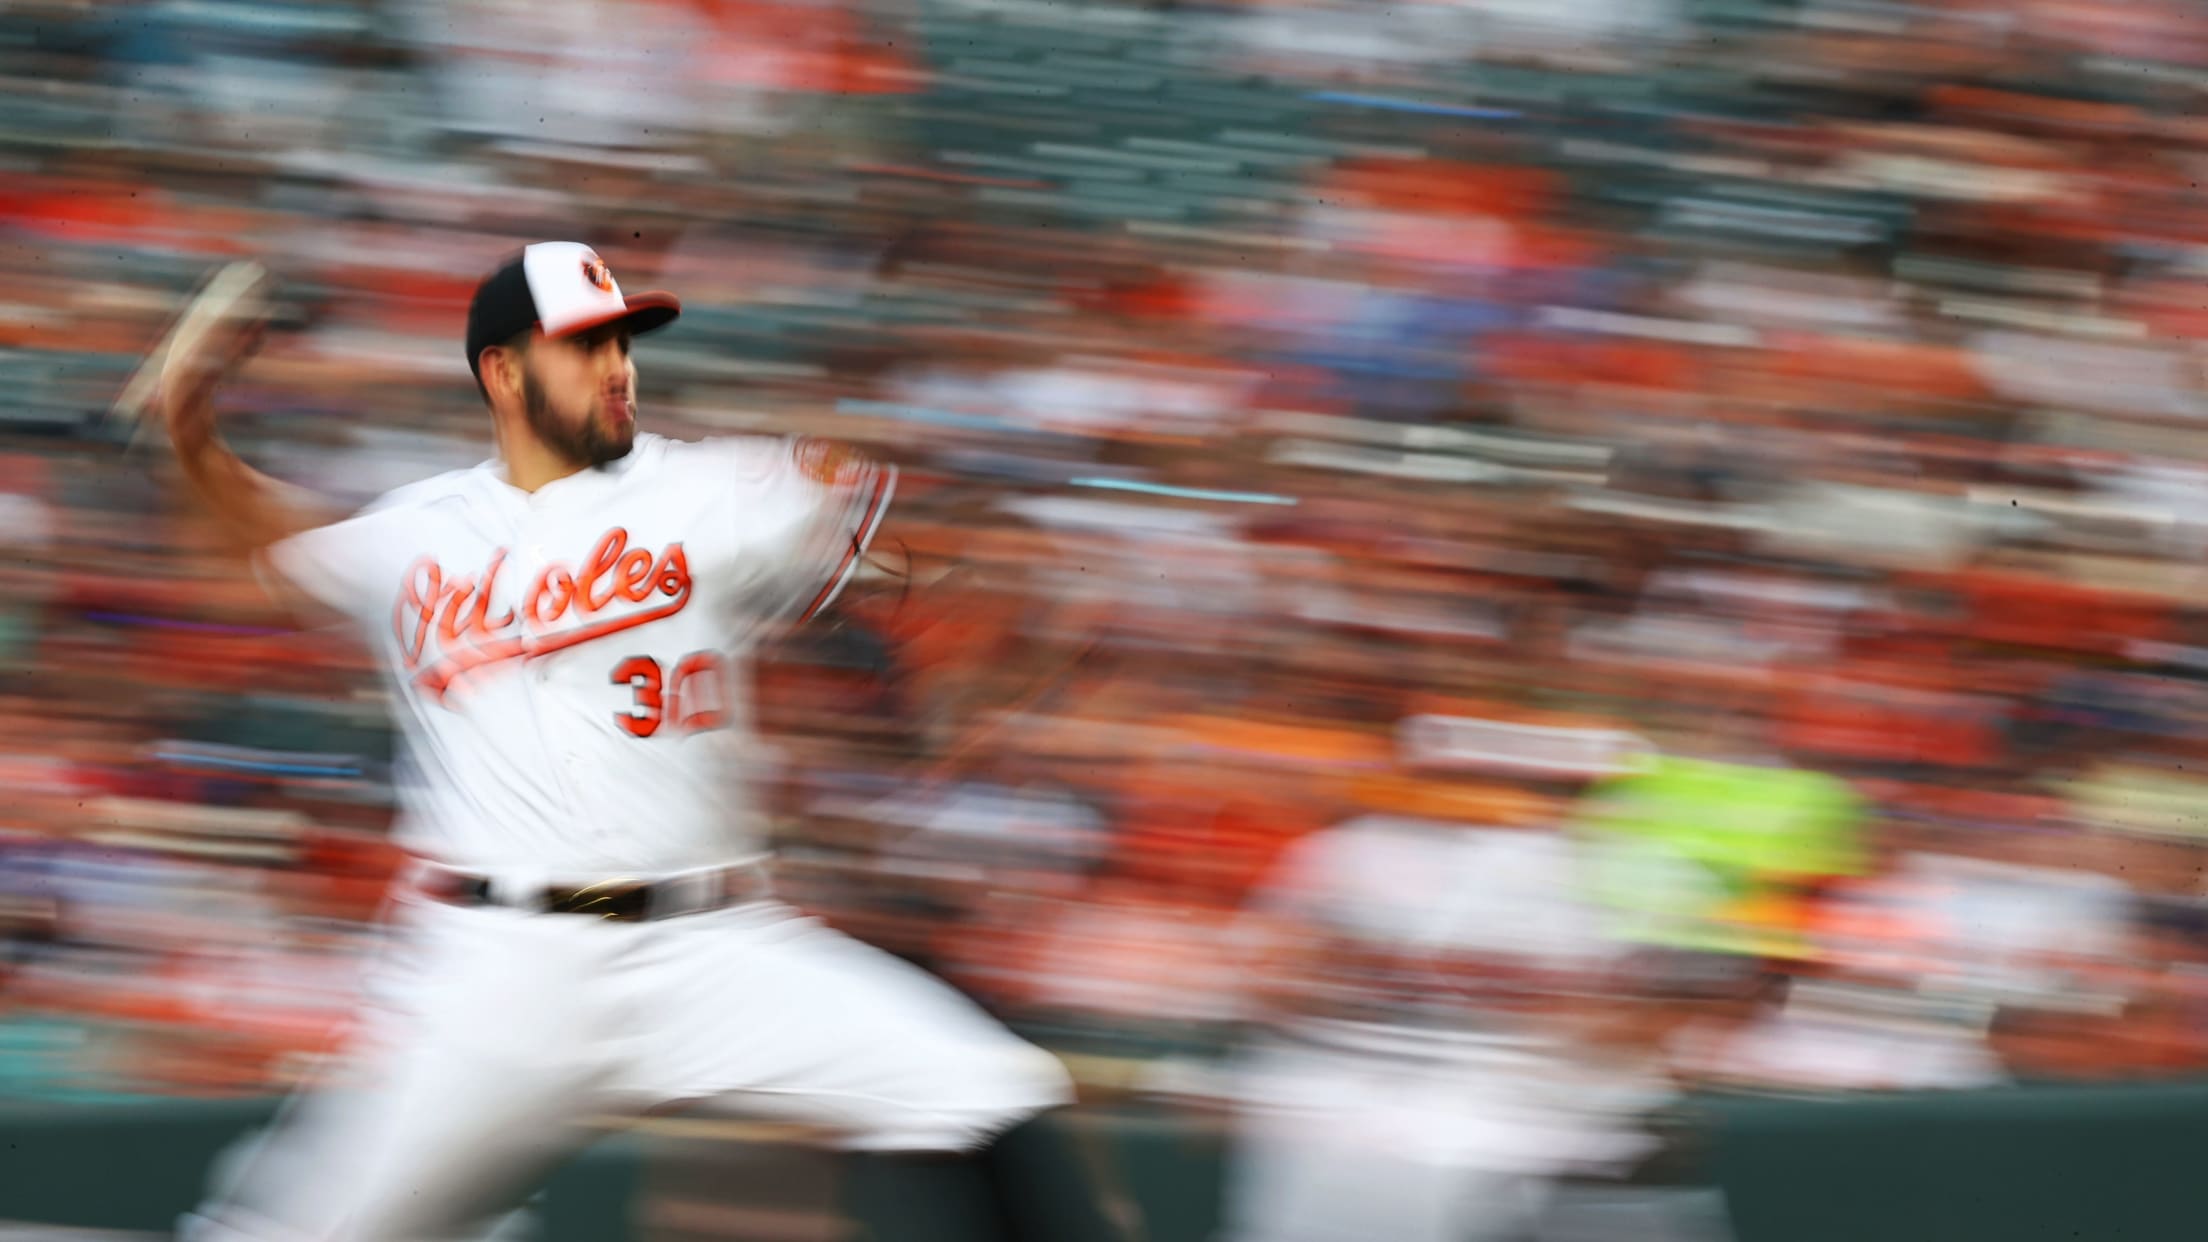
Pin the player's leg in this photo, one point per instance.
(227, 1180)
(819, 1029)
(467, 1086)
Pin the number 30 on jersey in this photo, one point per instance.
(691, 698)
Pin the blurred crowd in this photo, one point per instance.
(1670, 527)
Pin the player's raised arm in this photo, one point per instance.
(974, 645)
(856, 495)
(224, 325)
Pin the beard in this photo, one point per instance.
(586, 441)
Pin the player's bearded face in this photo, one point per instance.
(587, 430)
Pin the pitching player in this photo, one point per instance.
(565, 630)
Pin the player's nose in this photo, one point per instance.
(609, 360)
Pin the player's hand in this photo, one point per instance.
(226, 322)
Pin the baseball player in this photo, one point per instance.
(564, 630)
(1381, 1098)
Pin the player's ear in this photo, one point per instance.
(502, 370)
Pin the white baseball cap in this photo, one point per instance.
(560, 288)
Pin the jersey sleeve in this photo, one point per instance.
(347, 567)
(813, 519)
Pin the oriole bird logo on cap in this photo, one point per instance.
(596, 272)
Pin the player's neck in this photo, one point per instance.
(530, 465)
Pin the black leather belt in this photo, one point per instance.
(619, 900)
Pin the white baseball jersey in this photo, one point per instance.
(571, 665)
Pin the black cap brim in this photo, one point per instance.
(642, 313)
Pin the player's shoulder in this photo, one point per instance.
(437, 489)
(753, 454)
(738, 461)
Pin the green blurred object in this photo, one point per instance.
(1696, 854)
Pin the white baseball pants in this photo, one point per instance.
(492, 1036)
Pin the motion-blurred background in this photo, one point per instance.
(1654, 539)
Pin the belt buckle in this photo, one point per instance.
(591, 897)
